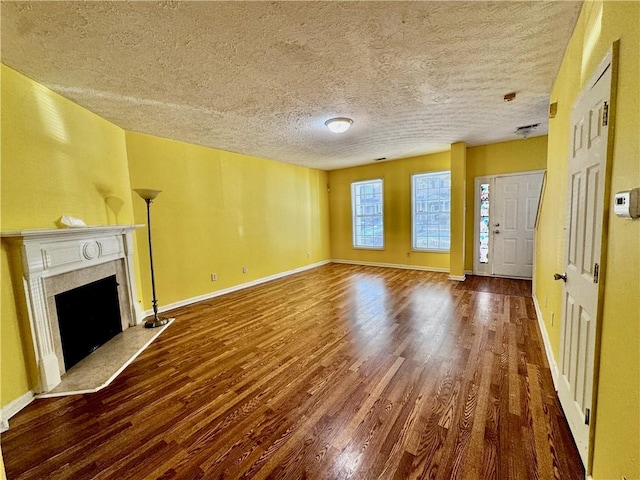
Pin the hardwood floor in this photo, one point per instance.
(339, 372)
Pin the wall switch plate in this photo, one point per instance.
(214, 277)
(245, 269)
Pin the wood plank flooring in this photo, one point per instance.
(341, 372)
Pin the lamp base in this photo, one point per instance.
(156, 322)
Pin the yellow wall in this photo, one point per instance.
(506, 157)
(617, 421)
(495, 159)
(220, 211)
(396, 177)
(458, 209)
(57, 158)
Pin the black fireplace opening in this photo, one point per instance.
(88, 317)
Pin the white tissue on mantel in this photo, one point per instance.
(71, 222)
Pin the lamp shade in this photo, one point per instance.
(147, 193)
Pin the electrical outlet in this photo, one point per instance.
(308, 254)
(214, 277)
(245, 269)
(408, 254)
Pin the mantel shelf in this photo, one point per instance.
(47, 233)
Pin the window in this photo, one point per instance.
(367, 211)
(484, 223)
(431, 211)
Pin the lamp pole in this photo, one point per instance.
(148, 196)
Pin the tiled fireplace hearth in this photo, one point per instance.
(56, 261)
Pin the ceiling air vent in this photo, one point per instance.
(526, 130)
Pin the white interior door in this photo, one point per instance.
(512, 223)
(586, 190)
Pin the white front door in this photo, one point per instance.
(583, 254)
(512, 223)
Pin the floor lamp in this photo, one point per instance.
(148, 196)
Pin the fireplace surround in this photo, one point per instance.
(57, 260)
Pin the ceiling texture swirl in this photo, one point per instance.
(261, 78)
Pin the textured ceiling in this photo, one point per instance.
(262, 77)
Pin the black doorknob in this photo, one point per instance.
(558, 276)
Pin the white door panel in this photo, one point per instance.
(515, 203)
(585, 207)
(532, 208)
(529, 253)
(510, 251)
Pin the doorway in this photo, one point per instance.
(505, 215)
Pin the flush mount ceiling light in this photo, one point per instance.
(339, 124)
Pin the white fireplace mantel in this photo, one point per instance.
(47, 253)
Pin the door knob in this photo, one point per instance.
(496, 224)
(557, 276)
(496, 231)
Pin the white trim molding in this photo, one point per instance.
(235, 288)
(13, 407)
(391, 265)
(553, 366)
(458, 278)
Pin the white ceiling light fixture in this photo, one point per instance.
(338, 124)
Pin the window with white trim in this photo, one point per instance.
(484, 223)
(367, 214)
(431, 211)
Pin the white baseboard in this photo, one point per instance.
(480, 274)
(235, 288)
(547, 344)
(14, 407)
(391, 265)
(458, 278)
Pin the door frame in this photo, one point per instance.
(486, 269)
(610, 60)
